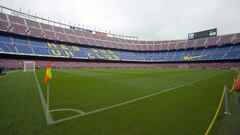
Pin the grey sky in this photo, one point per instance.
(148, 19)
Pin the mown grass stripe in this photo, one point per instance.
(131, 101)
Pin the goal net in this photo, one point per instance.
(183, 66)
(28, 66)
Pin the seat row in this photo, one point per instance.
(34, 28)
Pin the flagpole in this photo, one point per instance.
(47, 103)
(226, 101)
(47, 79)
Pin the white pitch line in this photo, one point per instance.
(67, 109)
(44, 104)
(130, 101)
(9, 72)
(12, 71)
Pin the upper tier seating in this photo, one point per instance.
(17, 25)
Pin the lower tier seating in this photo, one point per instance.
(18, 64)
(31, 47)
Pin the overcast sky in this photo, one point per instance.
(147, 19)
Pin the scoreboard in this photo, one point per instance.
(202, 34)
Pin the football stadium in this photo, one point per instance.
(62, 79)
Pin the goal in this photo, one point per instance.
(183, 66)
(28, 66)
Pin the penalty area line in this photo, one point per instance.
(130, 101)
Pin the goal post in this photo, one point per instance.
(29, 66)
(183, 66)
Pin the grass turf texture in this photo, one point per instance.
(185, 110)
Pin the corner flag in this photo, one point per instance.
(236, 84)
(48, 75)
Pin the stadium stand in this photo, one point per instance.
(18, 64)
(24, 38)
(26, 46)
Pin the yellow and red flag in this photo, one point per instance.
(48, 75)
(236, 84)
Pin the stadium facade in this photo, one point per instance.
(30, 38)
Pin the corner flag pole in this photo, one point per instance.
(226, 101)
(47, 79)
(48, 103)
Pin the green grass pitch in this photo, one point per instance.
(176, 102)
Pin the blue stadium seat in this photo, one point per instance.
(24, 49)
(10, 44)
